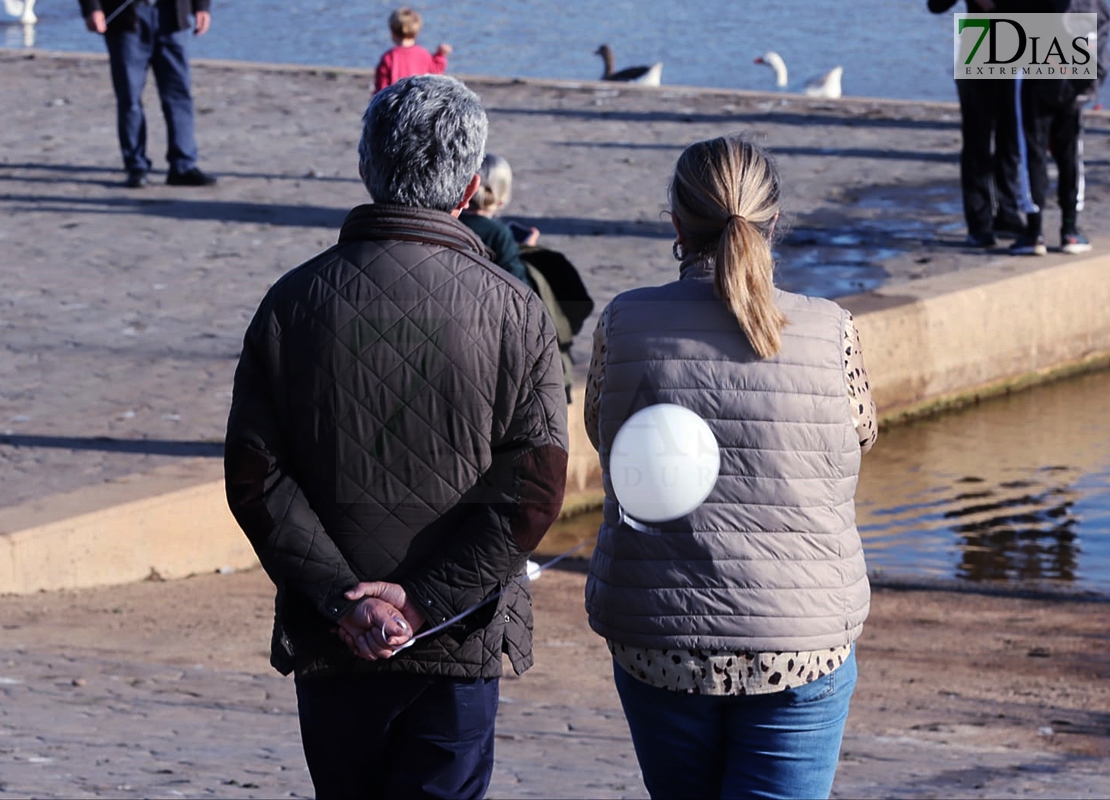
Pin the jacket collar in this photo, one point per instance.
(377, 221)
(696, 269)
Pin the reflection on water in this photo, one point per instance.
(1028, 536)
(1014, 489)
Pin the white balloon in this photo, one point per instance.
(663, 463)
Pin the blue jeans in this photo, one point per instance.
(130, 54)
(784, 744)
(394, 735)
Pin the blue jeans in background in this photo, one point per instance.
(131, 53)
(783, 745)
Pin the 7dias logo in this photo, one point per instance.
(1032, 45)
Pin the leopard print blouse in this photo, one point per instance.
(713, 672)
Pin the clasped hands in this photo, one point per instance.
(384, 621)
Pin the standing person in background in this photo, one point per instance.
(547, 271)
(152, 35)
(732, 628)
(407, 58)
(1051, 115)
(989, 154)
(396, 448)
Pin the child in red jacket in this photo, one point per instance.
(407, 57)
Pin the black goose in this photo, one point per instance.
(645, 76)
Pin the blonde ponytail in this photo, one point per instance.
(725, 200)
(743, 280)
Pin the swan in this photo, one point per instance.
(775, 62)
(827, 85)
(24, 9)
(645, 76)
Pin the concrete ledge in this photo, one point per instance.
(166, 524)
(956, 337)
(927, 344)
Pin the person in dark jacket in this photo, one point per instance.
(494, 193)
(396, 448)
(989, 153)
(1051, 126)
(144, 35)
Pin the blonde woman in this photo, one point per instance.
(494, 192)
(732, 628)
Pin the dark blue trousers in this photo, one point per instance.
(152, 46)
(398, 736)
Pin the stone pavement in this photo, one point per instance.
(122, 312)
(165, 710)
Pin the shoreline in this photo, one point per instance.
(564, 83)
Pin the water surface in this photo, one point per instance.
(887, 49)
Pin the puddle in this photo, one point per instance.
(841, 250)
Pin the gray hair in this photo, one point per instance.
(496, 188)
(422, 142)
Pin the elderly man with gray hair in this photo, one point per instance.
(396, 449)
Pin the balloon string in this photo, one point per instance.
(635, 524)
(527, 574)
(117, 12)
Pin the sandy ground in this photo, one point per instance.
(960, 695)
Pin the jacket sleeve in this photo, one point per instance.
(518, 497)
(264, 496)
(1102, 33)
(383, 72)
(595, 381)
(506, 252)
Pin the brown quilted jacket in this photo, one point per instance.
(398, 414)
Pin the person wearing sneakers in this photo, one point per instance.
(988, 153)
(1050, 121)
(144, 35)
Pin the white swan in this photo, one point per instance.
(24, 9)
(827, 85)
(775, 62)
(645, 76)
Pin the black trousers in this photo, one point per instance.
(989, 155)
(1052, 124)
(398, 736)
